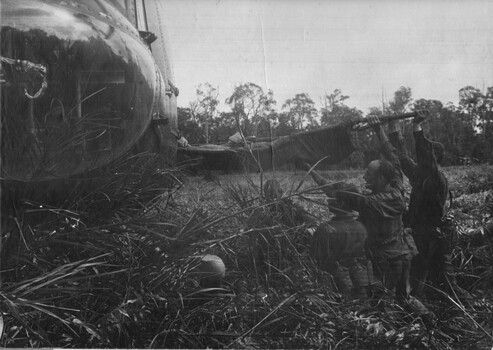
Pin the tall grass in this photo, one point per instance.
(113, 268)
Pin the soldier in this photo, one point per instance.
(427, 213)
(340, 248)
(391, 246)
(381, 213)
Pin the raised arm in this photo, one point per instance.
(328, 187)
(408, 165)
(388, 150)
(425, 156)
(436, 184)
(319, 180)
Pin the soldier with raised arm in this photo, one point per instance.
(427, 213)
(381, 212)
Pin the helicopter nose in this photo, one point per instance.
(80, 87)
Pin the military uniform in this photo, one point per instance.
(390, 247)
(339, 247)
(426, 216)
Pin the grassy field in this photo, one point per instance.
(127, 280)
(229, 195)
(470, 185)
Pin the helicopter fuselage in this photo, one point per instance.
(79, 89)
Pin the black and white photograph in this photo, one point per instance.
(246, 174)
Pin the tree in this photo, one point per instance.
(284, 126)
(401, 101)
(204, 108)
(334, 111)
(189, 127)
(377, 111)
(398, 105)
(479, 107)
(268, 125)
(434, 109)
(264, 128)
(222, 127)
(446, 125)
(460, 137)
(249, 103)
(301, 111)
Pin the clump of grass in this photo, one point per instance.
(92, 270)
(468, 180)
(274, 259)
(123, 279)
(458, 325)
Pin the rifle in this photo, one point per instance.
(355, 124)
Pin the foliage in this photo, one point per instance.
(462, 129)
(400, 102)
(450, 127)
(454, 127)
(301, 111)
(250, 104)
(334, 111)
(189, 127)
(222, 127)
(479, 107)
(204, 108)
(284, 127)
(124, 279)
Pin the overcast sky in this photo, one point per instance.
(367, 49)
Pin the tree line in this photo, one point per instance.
(463, 129)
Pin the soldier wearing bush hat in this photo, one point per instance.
(340, 247)
(432, 229)
(390, 246)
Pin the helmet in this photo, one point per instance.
(210, 271)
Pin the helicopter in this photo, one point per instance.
(83, 84)
(87, 83)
